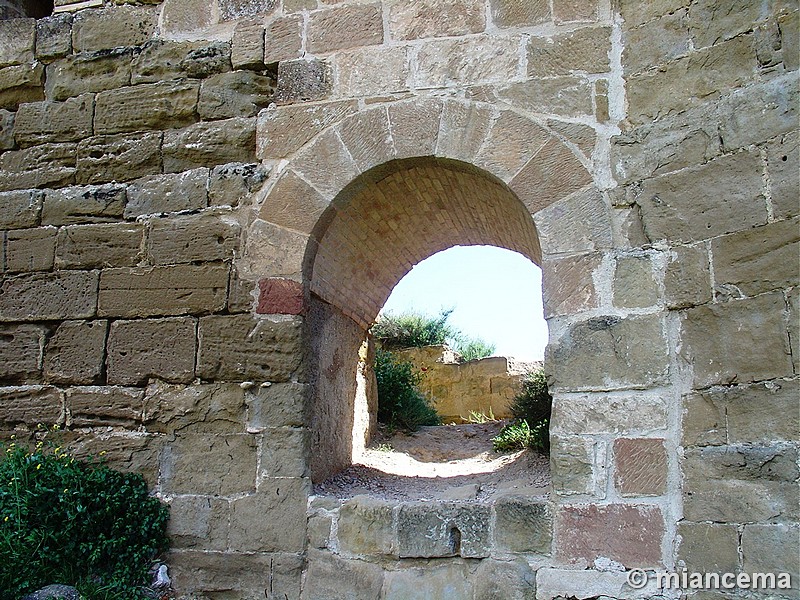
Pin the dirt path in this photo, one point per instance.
(450, 462)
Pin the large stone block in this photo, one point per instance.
(156, 348)
(354, 578)
(231, 183)
(641, 466)
(17, 38)
(88, 72)
(758, 260)
(372, 71)
(234, 94)
(579, 223)
(21, 349)
(172, 192)
(709, 547)
(209, 144)
(687, 279)
(284, 452)
(428, 530)
(162, 60)
(277, 405)
(162, 291)
(21, 83)
(210, 464)
(588, 584)
(294, 204)
(636, 13)
(719, 197)
(104, 406)
(101, 245)
(709, 25)
(94, 30)
(53, 37)
(81, 205)
(303, 80)
(283, 39)
(502, 580)
(783, 167)
(462, 130)
(567, 96)
(194, 408)
(609, 353)
(20, 208)
(247, 46)
(30, 249)
(120, 157)
(31, 405)
(273, 519)
(199, 522)
(772, 549)
(655, 42)
(449, 581)
(127, 451)
(629, 534)
(473, 60)
(210, 59)
(41, 122)
(572, 464)
(568, 284)
(40, 166)
(428, 18)
(275, 251)
(634, 282)
(365, 527)
(585, 49)
(511, 143)
(345, 26)
(523, 525)
(718, 341)
(182, 16)
(49, 296)
(620, 413)
(193, 238)
(238, 347)
(76, 352)
(162, 105)
(7, 130)
(740, 484)
(519, 13)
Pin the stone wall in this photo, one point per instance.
(182, 181)
(485, 386)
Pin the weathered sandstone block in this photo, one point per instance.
(39, 166)
(21, 352)
(585, 49)
(162, 60)
(193, 238)
(104, 406)
(427, 18)
(118, 157)
(523, 525)
(783, 166)
(30, 249)
(519, 13)
(20, 208)
(53, 37)
(687, 279)
(49, 296)
(101, 245)
(480, 59)
(420, 583)
(234, 94)
(30, 405)
(88, 72)
(365, 527)
(283, 39)
(195, 408)
(168, 193)
(276, 405)
(94, 30)
(626, 413)
(505, 580)
(247, 46)
(572, 465)
(78, 205)
(41, 122)
(569, 286)
(21, 83)
(75, 353)
(446, 529)
(356, 578)
(209, 144)
(656, 42)
(228, 184)
(634, 282)
(162, 105)
(199, 522)
(7, 130)
(641, 466)
(17, 37)
(772, 549)
(709, 547)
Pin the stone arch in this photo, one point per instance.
(384, 188)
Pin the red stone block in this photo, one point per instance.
(626, 533)
(641, 466)
(280, 297)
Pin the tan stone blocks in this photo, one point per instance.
(21, 352)
(283, 39)
(568, 284)
(49, 296)
(428, 18)
(709, 547)
(239, 348)
(462, 130)
(20, 208)
(29, 405)
(42, 122)
(368, 138)
(479, 59)
(585, 49)
(629, 534)
(284, 453)
(783, 167)
(635, 284)
(7, 130)
(101, 245)
(209, 236)
(687, 279)
(567, 96)
(21, 83)
(345, 26)
(230, 184)
(303, 80)
(94, 30)
(90, 72)
(573, 465)
(247, 46)
(772, 549)
(626, 413)
(743, 325)
(163, 60)
(215, 408)
(276, 405)
(167, 290)
(209, 144)
(172, 192)
(578, 223)
(294, 204)
(17, 38)
(415, 126)
(234, 94)
(162, 105)
(722, 196)
(229, 465)
(199, 522)
(155, 348)
(282, 130)
(656, 42)
(708, 25)
(275, 251)
(757, 260)
(104, 406)
(120, 157)
(372, 71)
(53, 37)
(272, 519)
(30, 249)
(523, 525)
(75, 352)
(325, 164)
(519, 13)
(609, 352)
(443, 529)
(511, 143)
(80, 205)
(40, 166)
(365, 526)
(575, 11)
(641, 466)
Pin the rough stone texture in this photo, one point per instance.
(40, 166)
(168, 193)
(587, 584)
(500, 580)
(425, 19)
(569, 287)
(449, 581)
(583, 50)
(283, 39)
(234, 94)
(523, 525)
(641, 466)
(101, 245)
(41, 122)
(199, 522)
(515, 13)
(156, 348)
(20, 208)
(88, 72)
(209, 144)
(104, 406)
(273, 519)
(656, 42)
(94, 30)
(213, 408)
(352, 69)
(119, 157)
(30, 249)
(783, 165)
(354, 578)
(162, 105)
(7, 130)
(634, 282)
(344, 27)
(276, 405)
(20, 351)
(53, 37)
(687, 279)
(578, 223)
(744, 325)
(21, 83)
(572, 465)
(280, 297)
(75, 353)
(447, 529)
(17, 38)
(709, 547)
(82, 205)
(194, 238)
(247, 46)
(365, 526)
(284, 453)
(772, 549)
(626, 533)
(476, 59)
(229, 184)
(238, 348)
(161, 60)
(162, 291)
(49, 296)
(303, 80)
(620, 413)
(31, 404)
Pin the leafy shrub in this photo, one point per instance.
(532, 408)
(473, 348)
(77, 523)
(401, 405)
(413, 330)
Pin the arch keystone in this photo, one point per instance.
(415, 126)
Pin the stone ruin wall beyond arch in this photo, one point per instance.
(163, 169)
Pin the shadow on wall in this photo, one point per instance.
(15, 9)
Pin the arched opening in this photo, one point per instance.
(372, 234)
(15, 9)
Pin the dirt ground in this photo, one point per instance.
(448, 462)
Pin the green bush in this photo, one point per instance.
(473, 348)
(401, 405)
(77, 523)
(532, 408)
(413, 330)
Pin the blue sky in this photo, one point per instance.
(497, 295)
